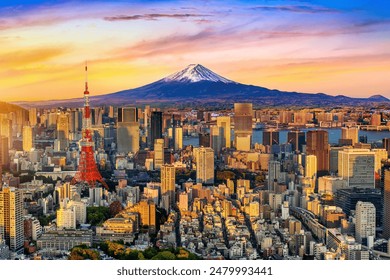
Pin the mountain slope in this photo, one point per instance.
(197, 84)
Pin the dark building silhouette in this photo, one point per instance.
(296, 139)
(347, 199)
(204, 139)
(385, 187)
(155, 126)
(270, 137)
(386, 144)
(317, 144)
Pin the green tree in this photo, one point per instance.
(165, 255)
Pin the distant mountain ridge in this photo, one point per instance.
(197, 84)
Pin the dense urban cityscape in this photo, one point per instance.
(124, 183)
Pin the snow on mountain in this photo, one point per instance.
(196, 73)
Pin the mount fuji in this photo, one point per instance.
(198, 85)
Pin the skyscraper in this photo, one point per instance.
(311, 166)
(274, 167)
(204, 139)
(127, 130)
(224, 123)
(155, 126)
(27, 138)
(296, 139)
(386, 145)
(4, 151)
(178, 138)
(270, 137)
(386, 204)
(317, 144)
(357, 167)
(216, 135)
(350, 133)
(243, 114)
(365, 220)
(11, 218)
(158, 153)
(32, 116)
(204, 165)
(168, 177)
(127, 114)
(63, 130)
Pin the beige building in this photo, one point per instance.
(224, 123)
(178, 138)
(158, 153)
(27, 138)
(168, 187)
(204, 165)
(350, 133)
(11, 218)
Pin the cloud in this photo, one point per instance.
(27, 57)
(295, 9)
(153, 17)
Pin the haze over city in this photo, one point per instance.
(307, 46)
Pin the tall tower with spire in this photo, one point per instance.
(87, 171)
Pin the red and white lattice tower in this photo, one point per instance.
(87, 171)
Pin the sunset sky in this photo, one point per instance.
(330, 46)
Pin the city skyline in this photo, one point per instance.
(305, 46)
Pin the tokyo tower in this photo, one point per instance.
(87, 171)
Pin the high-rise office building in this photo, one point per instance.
(243, 114)
(168, 187)
(347, 198)
(178, 138)
(357, 167)
(4, 151)
(296, 139)
(204, 139)
(224, 123)
(216, 137)
(204, 165)
(63, 130)
(311, 166)
(32, 116)
(27, 138)
(274, 167)
(317, 144)
(386, 204)
(156, 125)
(158, 153)
(365, 221)
(270, 137)
(11, 218)
(350, 133)
(127, 114)
(128, 130)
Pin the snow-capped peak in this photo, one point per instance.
(196, 73)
